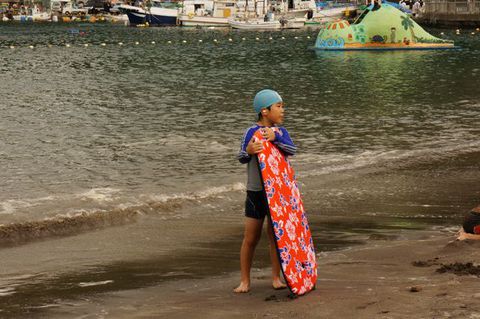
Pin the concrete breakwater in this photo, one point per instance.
(451, 13)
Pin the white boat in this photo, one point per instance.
(207, 12)
(203, 21)
(33, 15)
(267, 15)
(331, 11)
(261, 24)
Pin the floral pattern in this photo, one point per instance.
(292, 233)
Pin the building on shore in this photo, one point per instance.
(456, 13)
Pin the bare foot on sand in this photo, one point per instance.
(242, 288)
(278, 284)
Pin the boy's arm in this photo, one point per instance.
(243, 156)
(284, 142)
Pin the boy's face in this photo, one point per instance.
(276, 113)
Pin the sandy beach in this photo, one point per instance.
(391, 259)
(401, 279)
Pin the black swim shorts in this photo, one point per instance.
(256, 205)
(471, 223)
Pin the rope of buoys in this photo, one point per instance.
(104, 44)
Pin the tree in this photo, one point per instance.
(407, 23)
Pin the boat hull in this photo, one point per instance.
(267, 25)
(154, 17)
(194, 21)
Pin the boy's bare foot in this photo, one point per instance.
(242, 288)
(278, 284)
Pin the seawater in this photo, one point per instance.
(106, 127)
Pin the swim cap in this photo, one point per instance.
(264, 99)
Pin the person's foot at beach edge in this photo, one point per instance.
(278, 284)
(242, 288)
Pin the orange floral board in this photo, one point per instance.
(292, 232)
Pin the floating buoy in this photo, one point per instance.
(296, 38)
(12, 47)
(31, 47)
(200, 40)
(184, 41)
(85, 45)
(243, 39)
(67, 45)
(270, 38)
(169, 42)
(308, 37)
(473, 33)
(230, 40)
(478, 29)
(153, 42)
(283, 38)
(137, 43)
(441, 33)
(120, 43)
(215, 40)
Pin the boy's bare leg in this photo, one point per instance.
(253, 232)
(276, 279)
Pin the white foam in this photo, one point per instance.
(337, 162)
(99, 194)
(7, 291)
(209, 192)
(94, 283)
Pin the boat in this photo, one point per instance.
(272, 16)
(262, 24)
(326, 11)
(380, 26)
(33, 15)
(161, 13)
(203, 13)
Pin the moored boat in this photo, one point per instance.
(159, 14)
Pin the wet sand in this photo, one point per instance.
(400, 279)
(369, 230)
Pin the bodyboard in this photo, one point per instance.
(293, 239)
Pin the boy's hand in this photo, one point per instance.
(254, 146)
(268, 134)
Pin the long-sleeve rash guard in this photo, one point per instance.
(282, 141)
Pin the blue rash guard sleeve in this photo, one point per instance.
(284, 142)
(243, 156)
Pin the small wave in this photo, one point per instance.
(95, 283)
(8, 291)
(95, 194)
(331, 163)
(81, 221)
(209, 192)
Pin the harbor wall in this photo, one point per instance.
(458, 13)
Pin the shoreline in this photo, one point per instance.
(383, 280)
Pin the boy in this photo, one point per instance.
(268, 104)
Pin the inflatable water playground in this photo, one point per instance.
(379, 27)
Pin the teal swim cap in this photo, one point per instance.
(264, 99)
